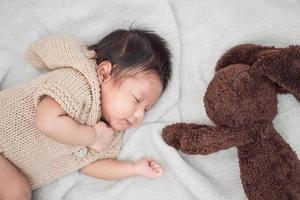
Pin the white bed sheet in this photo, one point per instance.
(199, 32)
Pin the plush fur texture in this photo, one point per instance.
(241, 101)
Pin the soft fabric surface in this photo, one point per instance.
(199, 32)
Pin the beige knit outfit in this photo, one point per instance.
(74, 84)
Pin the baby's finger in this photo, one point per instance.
(153, 163)
(156, 167)
(159, 167)
(159, 172)
(156, 170)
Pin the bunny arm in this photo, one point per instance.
(172, 133)
(207, 139)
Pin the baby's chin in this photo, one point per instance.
(113, 125)
(116, 128)
(119, 126)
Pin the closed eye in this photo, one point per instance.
(136, 99)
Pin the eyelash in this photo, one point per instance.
(138, 101)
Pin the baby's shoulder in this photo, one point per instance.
(67, 75)
(70, 89)
(69, 80)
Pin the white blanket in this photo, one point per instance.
(199, 32)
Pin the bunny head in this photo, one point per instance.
(235, 97)
(242, 94)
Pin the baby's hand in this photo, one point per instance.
(148, 168)
(104, 138)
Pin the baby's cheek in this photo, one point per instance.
(126, 108)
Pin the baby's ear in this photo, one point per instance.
(104, 70)
(241, 54)
(283, 68)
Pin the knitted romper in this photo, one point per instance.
(72, 81)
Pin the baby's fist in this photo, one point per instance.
(148, 168)
(104, 137)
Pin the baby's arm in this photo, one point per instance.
(53, 121)
(112, 169)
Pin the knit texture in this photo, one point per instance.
(72, 81)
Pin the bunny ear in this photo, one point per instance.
(283, 68)
(243, 54)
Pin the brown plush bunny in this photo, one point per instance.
(241, 101)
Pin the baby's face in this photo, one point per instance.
(125, 102)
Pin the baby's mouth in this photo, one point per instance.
(128, 123)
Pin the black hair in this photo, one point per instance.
(138, 50)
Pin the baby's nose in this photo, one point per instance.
(139, 116)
